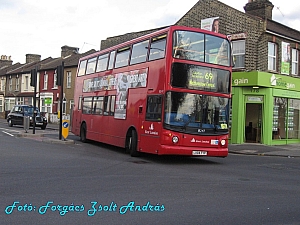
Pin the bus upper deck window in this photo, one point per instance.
(102, 63)
(111, 60)
(122, 57)
(82, 67)
(139, 52)
(91, 65)
(158, 47)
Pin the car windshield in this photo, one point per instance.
(29, 109)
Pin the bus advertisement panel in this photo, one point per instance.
(166, 93)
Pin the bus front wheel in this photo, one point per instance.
(132, 143)
(83, 133)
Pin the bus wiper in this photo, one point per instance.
(186, 123)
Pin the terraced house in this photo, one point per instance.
(16, 89)
(265, 104)
(266, 85)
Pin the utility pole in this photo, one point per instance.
(33, 83)
(60, 82)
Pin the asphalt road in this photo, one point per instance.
(43, 183)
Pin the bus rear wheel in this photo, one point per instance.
(132, 143)
(83, 133)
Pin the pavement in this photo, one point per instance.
(50, 135)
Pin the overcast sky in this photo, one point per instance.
(43, 27)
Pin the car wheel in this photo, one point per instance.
(10, 123)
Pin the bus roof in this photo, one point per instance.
(161, 31)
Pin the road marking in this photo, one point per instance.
(7, 133)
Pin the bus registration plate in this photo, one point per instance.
(199, 153)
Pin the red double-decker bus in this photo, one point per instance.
(167, 92)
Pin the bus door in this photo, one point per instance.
(151, 125)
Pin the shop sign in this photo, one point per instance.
(255, 98)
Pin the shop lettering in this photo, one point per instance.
(240, 81)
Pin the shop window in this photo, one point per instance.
(293, 114)
(272, 55)
(279, 118)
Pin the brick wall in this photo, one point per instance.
(231, 21)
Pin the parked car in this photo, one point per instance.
(18, 112)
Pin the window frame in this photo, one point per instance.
(69, 79)
(272, 57)
(295, 61)
(153, 112)
(137, 53)
(239, 54)
(45, 81)
(122, 57)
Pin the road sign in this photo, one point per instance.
(65, 128)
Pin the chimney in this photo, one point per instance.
(67, 50)
(260, 8)
(32, 58)
(5, 61)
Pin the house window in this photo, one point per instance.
(46, 105)
(69, 79)
(9, 103)
(238, 52)
(17, 83)
(1, 104)
(10, 84)
(26, 82)
(45, 81)
(20, 101)
(55, 80)
(272, 53)
(295, 62)
(64, 106)
(71, 105)
(2, 87)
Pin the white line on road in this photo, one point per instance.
(8, 133)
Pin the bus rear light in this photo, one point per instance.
(175, 139)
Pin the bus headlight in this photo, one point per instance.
(175, 139)
(223, 142)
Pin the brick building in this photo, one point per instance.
(50, 91)
(265, 84)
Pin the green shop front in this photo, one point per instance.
(265, 108)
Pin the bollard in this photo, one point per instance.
(26, 123)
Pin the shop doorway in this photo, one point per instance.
(253, 122)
